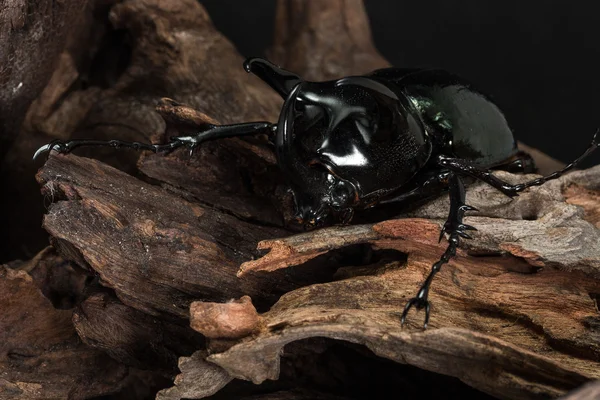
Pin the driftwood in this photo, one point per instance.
(41, 356)
(483, 306)
(177, 271)
(497, 301)
(589, 391)
(33, 34)
(303, 39)
(25, 29)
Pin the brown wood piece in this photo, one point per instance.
(41, 356)
(324, 40)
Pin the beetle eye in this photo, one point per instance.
(341, 195)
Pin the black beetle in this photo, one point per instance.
(392, 136)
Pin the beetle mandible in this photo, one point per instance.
(392, 136)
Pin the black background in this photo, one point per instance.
(537, 59)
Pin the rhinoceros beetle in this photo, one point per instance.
(391, 136)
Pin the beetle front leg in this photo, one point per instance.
(211, 132)
(456, 229)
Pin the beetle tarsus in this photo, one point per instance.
(65, 147)
(57, 145)
(420, 303)
(45, 148)
(456, 229)
(460, 230)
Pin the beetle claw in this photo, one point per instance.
(57, 145)
(463, 234)
(466, 207)
(42, 150)
(192, 147)
(459, 230)
(442, 231)
(420, 303)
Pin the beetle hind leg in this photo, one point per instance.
(456, 229)
(521, 162)
(465, 167)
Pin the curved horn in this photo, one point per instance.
(280, 80)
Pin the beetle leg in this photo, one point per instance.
(520, 163)
(66, 146)
(456, 229)
(467, 168)
(212, 132)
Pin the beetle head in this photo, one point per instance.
(343, 144)
(321, 197)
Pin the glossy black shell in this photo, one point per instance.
(352, 142)
(473, 127)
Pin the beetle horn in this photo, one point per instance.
(280, 80)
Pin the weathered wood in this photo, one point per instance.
(231, 320)
(590, 391)
(531, 301)
(227, 174)
(132, 337)
(198, 379)
(324, 368)
(134, 53)
(157, 251)
(41, 356)
(60, 281)
(233, 175)
(324, 40)
(32, 36)
(40, 363)
(25, 29)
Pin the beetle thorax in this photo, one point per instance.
(342, 142)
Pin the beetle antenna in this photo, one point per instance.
(279, 79)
